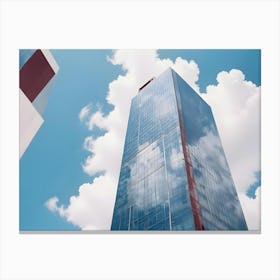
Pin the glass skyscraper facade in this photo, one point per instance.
(174, 174)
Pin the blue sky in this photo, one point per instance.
(211, 62)
(52, 166)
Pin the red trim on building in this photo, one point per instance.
(191, 181)
(190, 175)
(35, 74)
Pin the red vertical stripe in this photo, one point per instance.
(189, 170)
(191, 181)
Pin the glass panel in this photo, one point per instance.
(216, 191)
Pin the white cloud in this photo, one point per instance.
(82, 209)
(84, 112)
(235, 103)
(92, 208)
(51, 204)
(97, 119)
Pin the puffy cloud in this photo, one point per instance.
(51, 204)
(235, 103)
(97, 119)
(82, 209)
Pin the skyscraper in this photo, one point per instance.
(174, 174)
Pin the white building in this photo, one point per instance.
(35, 77)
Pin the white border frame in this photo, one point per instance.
(124, 24)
